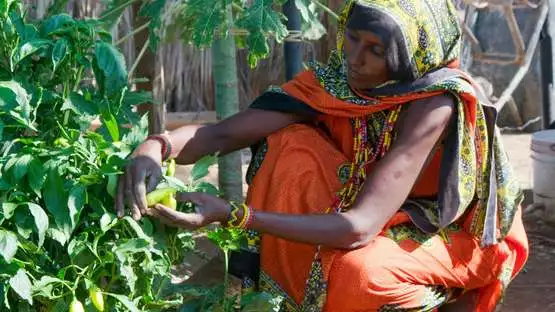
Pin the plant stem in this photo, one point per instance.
(131, 34)
(138, 59)
(78, 78)
(226, 266)
(325, 8)
(238, 7)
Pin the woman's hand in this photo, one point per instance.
(208, 209)
(142, 175)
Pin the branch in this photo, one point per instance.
(325, 8)
(131, 34)
(138, 59)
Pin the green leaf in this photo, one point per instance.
(107, 221)
(200, 169)
(77, 245)
(112, 65)
(206, 187)
(45, 287)
(59, 53)
(125, 301)
(20, 167)
(21, 284)
(76, 202)
(130, 276)
(8, 100)
(8, 245)
(132, 246)
(8, 209)
(137, 229)
(135, 98)
(201, 20)
(153, 10)
(260, 301)
(41, 221)
(36, 175)
(261, 20)
(56, 22)
(29, 48)
(57, 235)
(79, 105)
(55, 198)
(110, 122)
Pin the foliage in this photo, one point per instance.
(59, 237)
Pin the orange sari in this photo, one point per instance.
(404, 268)
(460, 229)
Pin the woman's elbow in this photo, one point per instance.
(357, 238)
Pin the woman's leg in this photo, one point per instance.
(407, 269)
(298, 175)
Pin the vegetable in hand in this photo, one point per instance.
(157, 196)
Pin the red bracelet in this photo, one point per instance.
(166, 145)
(250, 218)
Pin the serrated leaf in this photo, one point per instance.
(200, 169)
(36, 176)
(125, 301)
(41, 221)
(261, 20)
(200, 20)
(21, 284)
(153, 10)
(59, 53)
(55, 198)
(75, 203)
(112, 65)
(8, 245)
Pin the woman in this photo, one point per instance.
(379, 182)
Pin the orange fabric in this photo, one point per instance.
(298, 177)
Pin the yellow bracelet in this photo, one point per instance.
(233, 214)
(246, 215)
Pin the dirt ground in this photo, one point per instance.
(533, 290)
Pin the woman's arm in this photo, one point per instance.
(190, 143)
(384, 191)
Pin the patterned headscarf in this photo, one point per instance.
(419, 35)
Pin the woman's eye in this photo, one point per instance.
(377, 50)
(351, 36)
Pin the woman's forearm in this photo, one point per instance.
(333, 229)
(192, 142)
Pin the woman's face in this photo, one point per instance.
(365, 54)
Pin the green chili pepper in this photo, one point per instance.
(158, 195)
(97, 299)
(76, 306)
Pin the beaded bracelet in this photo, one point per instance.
(166, 145)
(245, 220)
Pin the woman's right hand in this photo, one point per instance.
(142, 175)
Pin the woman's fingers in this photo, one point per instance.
(129, 192)
(120, 197)
(184, 220)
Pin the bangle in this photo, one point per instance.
(246, 218)
(250, 218)
(166, 144)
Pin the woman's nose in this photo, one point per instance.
(356, 55)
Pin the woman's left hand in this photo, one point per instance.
(208, 209)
